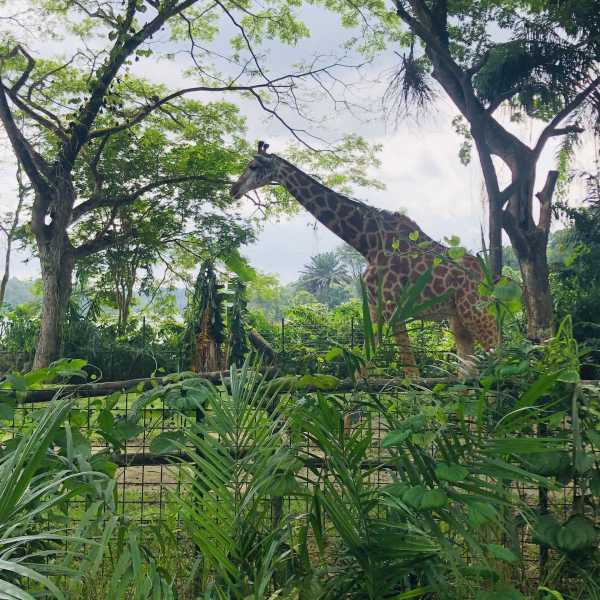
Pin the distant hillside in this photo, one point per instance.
(19, 291)
(180, 299)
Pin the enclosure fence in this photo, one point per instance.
(147, 479)
(298, 344)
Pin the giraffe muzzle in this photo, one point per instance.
(234, 191)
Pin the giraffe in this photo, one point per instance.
(397, 253)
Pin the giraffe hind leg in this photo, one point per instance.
(480, 323)
(407, 356)
(465, 342)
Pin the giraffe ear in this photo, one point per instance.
(262, 147)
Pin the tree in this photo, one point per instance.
(205, 334)
(76, 111)
(576, 281)
(163, 241)
(323, 276)
(10, 229)
(537, 58)
(237, 315)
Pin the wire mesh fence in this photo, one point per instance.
(147, 479)
(301, 345)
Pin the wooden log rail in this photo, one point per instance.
(140, 459)
(91, 390)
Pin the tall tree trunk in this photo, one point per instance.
(495, 237)
(57, 263)
(6, 273)
(538, 299)
(530, 242)
(11, 231)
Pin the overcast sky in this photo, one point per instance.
(419, 162)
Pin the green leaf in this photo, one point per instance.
(453, 473)
(285, 485)
(7, 409)
(481, 513)
(239, 265)
(396, 438)
(189, 394)
(80, 444)
(333, 353)
(103, 465)
(168, 441)
(553, 593)
(433, 499)
(595, 483)
(545, 530)
(548, 463)
(320, 382)
(456, 252)
(125, 430)
(413, 235)
(106, 420)
(78, 418)
(502, 553)
(397, 488)
(541, 385)
(569, 376)
(414, 495)
(583, 462)
(594, 437)
(576, 535)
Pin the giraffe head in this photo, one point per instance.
(260, 171)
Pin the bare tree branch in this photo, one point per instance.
(545, 198)
(35, 166)
(102, 201)
(552, 128)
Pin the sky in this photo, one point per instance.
(420, 167)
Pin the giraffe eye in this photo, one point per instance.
(253, 167)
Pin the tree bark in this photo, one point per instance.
(10, 233)
(57, 262)
(6, 273)
(530, 241)
(538, 298)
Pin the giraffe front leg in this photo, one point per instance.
(465, 342)
(364, 370)
(407, 357)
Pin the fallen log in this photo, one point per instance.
(286, 385)
(262, 346)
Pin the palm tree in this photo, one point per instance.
(323, 273)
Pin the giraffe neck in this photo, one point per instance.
(348, 219)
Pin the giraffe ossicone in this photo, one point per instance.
(395, 255)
